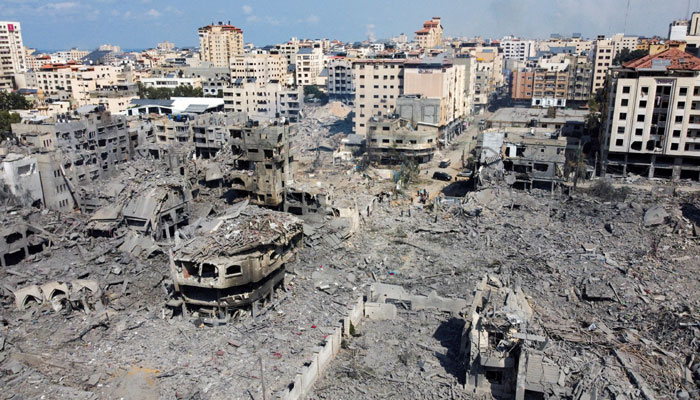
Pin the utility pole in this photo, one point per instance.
(262, 378)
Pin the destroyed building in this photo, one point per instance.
(19, 237)
(150, 205)
(570, 124)
(75, 149)
(262, 165)
(392, 141)
(534, 158)
(503, 354)
(234, 259)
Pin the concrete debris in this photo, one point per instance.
(655, 216)
(162, 276)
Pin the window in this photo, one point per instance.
(642, 104)
(676, 133)
(640, 118)
(638, 132)
(625, 89)
(624, 102)
(623, 116)
(620, 129)
(674, 146)
(679, 119)
(683, 91)
(645, 90)
(619, 142)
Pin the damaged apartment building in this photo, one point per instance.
(503, 351)
(261, 165)
(209, 131)
(392, 141)
(75, 149)
(234, 259)
(531, 157)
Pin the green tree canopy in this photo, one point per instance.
(13, 101)
(166, 93)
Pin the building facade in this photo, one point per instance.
(378, 83)
(218, 43)
(12, 56)
(340, 83)
(431, 35)
(653, 124)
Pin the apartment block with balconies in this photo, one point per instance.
(653, 121)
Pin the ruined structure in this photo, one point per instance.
(234, 259)
(262, 164)
(391, 141)
(503, 354)
(533, 157)
(19, 239)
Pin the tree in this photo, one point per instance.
(6, 120)
(13, 101)
(166, 93)
(315, 93)
(625, 55)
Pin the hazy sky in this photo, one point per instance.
(58, 24)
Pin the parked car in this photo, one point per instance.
(464, 174)
(444, 163)
(442, 176)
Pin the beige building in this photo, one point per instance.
(310, 62)
(583, 46)
(431, 35)
(263, 100)
(261, 67)
(605, 52)
(219, 43)
(443, 81)
(288, 50)
(76, 80)
(653, 128)
(114, 98)
(391, 141)
(378, 83)
(12, 56)
(72, 55)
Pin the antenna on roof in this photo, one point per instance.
(627, 11)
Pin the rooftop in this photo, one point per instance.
(671, 59)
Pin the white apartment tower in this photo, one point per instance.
(12, 57)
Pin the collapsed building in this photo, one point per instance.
(149, 207)
(234, 259)
(392, 141)
(503, 353)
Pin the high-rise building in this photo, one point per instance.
(431, 35)
(219, 43)
(12, 56)
(378, 83)
(653, 128)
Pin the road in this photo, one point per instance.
(453, 152)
